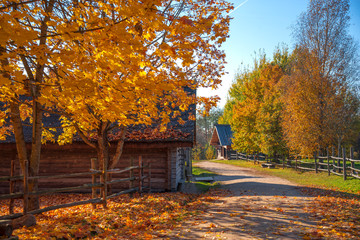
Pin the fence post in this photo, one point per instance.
(140, 173)
(296, 163)
(333, 155)
(328, 160)
(320, 160)
(316, 164)
(12, 186)
(288, 162)
(104, 181)
(352, 163)
(149, 176)
(131, 183)
(338, 161)
(26, 188)
(283, 162)
(93, 180)
(344, 163)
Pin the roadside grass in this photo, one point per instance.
(321, 179)
(204, 186)
(199, 172)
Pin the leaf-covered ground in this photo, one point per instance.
(267, 207)
(337, 214)
(262, 212)
(138, 217)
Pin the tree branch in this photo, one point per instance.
(83, 137)
(85, 30)
(119, 148)
(17, 4)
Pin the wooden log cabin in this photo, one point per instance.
(221, 140)
(166, 151)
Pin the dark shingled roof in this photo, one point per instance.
(139, 133)
(224, 134)
(175, 132)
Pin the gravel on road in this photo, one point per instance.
(259, 206)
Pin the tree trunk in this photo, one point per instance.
(19, 134)
(15, 119)
(35, 155)
(119, 148)
(102, 144)
(116, 158)
(102, 150)
(37, 113)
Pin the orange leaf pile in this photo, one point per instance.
(337, 214)
(140, 217)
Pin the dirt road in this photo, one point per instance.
(259, 207)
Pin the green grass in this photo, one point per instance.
(199, 172)
(313, 179)
(204, 186)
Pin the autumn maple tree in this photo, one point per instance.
(101, 65)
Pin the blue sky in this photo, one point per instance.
(264, 24)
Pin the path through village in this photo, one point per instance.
(259, 206)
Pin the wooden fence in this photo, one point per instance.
(249, 157)
(96, 186)
(340, 165)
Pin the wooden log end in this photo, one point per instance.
(6, 228)
(27, 220)
(12, 238)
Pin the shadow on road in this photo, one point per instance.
(241, 185)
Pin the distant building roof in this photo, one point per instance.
(222, 135)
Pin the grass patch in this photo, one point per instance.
(352, 185)
(199, 172)
(204, 186)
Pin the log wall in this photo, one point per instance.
(76, 157)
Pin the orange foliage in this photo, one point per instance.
(308, 99)
(105, 63)
(336, 214)
(156, 134)
(141, 217)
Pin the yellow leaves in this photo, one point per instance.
(279, 210)
(113, 60)
(25, 111)
(256, 109)
(142, 64)
(142, 73)
(212, 225)
(147, 35)
(234, 214)
(68, 131)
